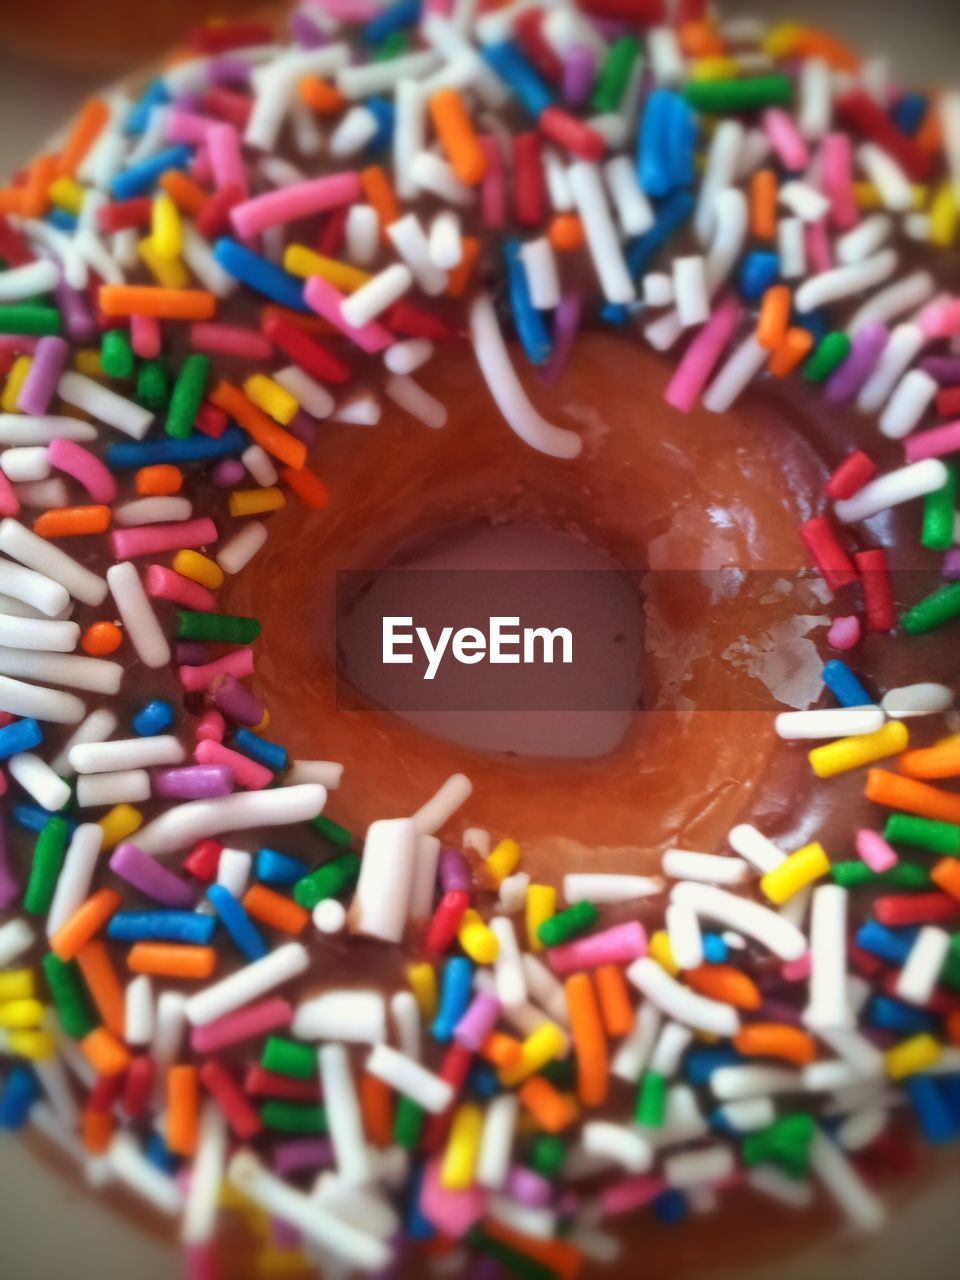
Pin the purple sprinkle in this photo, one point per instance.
(76, 313)
(283, 1234)
(579, 73)
(228, 473)
(40, 384)
(228, 71)
(566, 324)
(301, 1153)
(856, 369)
(528, 1187)
(303, 427)
(237, 702)
(951, 565)
(454, 871)
(9, 889)
(192, 653)
(943, 369)
(477, 1023)
(305, 33)
(194, 782)
(150, 877)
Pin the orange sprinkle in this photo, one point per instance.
(11, 200)
(763, 204)
(379, 192)
(85, 923)
(776, 1040)
(72, 522)
(552, 1110)
(264, 430)
(589, 1040)
(153, 300)
(105, 1051)
(502, 1050)
(559, 1256)
(35, 200)
(307, 485)
(929, 137)
(160, 480)
(810, 42)
(321, 97)
(699, 40)
(101, 638)
(724, 983)
(376, 1107)
(183, 1104)
(565, 233)
(274, 909)
(953, 1028)
(460, 275)
(103, 984)
(946, 876)
(774, 317)
(455, 130)
(97, 1128)
(614, 996)
(894, 792)
(794, 348)
(172, 959)
(86, 128)
(189, 198)
(939, 761)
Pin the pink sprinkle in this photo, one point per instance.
(9, 502)
(211, 726)
(818, 246)
(187, 126)
(145, 336)
(837, 157)
(941, 319)
(167, 584)
(326, 301)
(242, 1024)
(247, 772)
(617, 945)
(702, 356)
(935, 443)
(226, 158)
(155, 539)
(797, 970)
(202, 1262)
(786, 140)
(85, 467)
(631, 1193)
(239, 663)
(844, 632)
(299, 201)
(453, 1213)
(350, 10)
(201, 170)
(230, 340)
(493, 189)
(875, 851)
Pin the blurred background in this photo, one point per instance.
(53, 53)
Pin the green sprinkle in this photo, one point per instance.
(720, 97)
(28, 318)
(219, 628)
(615, 74)
(69, 996)
(547, 1155)
(943, 606)
(925, 833)
(187, 396)
(561, 1073)
(651, 1100)
(289, 1058)
(939, 509)
(153, 385)
(785, 1142)
(294, 1117)
(327, 881)
(828, 354)
(905, 875)
(116, 354)
(567, 924)
(397, 42)
(407, 1123)
(332, 831)
(48, 855)
(517, 1263)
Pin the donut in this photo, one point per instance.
(311, 988)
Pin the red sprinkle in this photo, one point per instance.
(915, 908)
(858, 111)
(230, 1098)
(124, 214)
(138, 1086)
(529, 193)
(878, 603)
(13, 248)
(226, 105)
(203, 859)
(446, 920)
(210, 420)
(529, 30)
(948, 402)
(827, 553)
(567, 131)
(413, 322)
(214, 218)
(851, 475)
(330, 240)
(104, 1093)
(304, 350)
(221, 37)
(270, 1084)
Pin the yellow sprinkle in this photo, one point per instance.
(541, 905)
(170, 273)
(913, 1055)
(17, 984)
(122, 821)
(715, 68)
(659, 949)
(868, 197)
(282, 1262)
(35, 1045)
(271, 398)
(539, 1048)
(780, 41)
(479, 942)
(88, 363)
(253, 502)
(943, 216)
(14, 383)
(264, 723)
(17, 1015)
(198, 568)
(423, 983)
(66, 193)
(864, 748)
(165, 236)
(796, 872)
(233, 1199)
(301, 261)
(502, 862)
(463, 1144)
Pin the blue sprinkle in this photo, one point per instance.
(714, 948)
(394, 18)
(196, 448)
(260, 274)
(155, 95)
(20, 1091)
(670, 1207)
(683, 129)
(884, 943)
(757, 273)
(153, 718)
(32, 818)
(514, 69)
(528, 321)
(671, 215)
(892, 1015)
(386, 119)
(162, 926)
(243, 932)
(617, 313)
(815, 323)
(844, 685)
(700, 1064)
(160, 1156)
(269, 754)
(62, 219)
(141, 178)
(909, 113)
(653, 160)
(278, 868)
(933, 1113)
(454, 997)
(417, 1226)
(482, 1080)
(950, 1092)
(22, 735)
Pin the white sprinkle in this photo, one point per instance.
(446, 36)
(25, 464)
(446, 240)
(102, 403)
(436, 177)
(892, 184)
(792, 248)
(683, 1120)
(845, 282)
(806, 202)
(382, 897)
(409, 1078)
(667, 62)
(374, 297)
(50, 705)
(142, 1176)
(159, 510)
(632, 206)
(619, 1143)
(558, 184)
(233, 871)
(828, 722)
(753, 153)
(42, 495)
(731, 1084)
(512, 894)
(600, 233)
(770, 1181)
(355, 128)
(950, 123)
(343, 1113)
(681, 1003)
(240, 988)
(27, 281)
(815, 92)
(538, 1223)
(898, 299)
(892, 489)
(415, 400)
(16, 937)
(52, 1076)
(441, 807)
(861, 1207)
(370, 78)
(138, 1010)
(711, 868)
(359, 411)
(76, 874)
(18, 429)
(198, 256)
(545, 990)
(865, 239)
(630, 1060)
(751, 918)
(406, 1019)
(275, 88)
(359, 1017)
(828, 1007)
(735, 375)
(410, 241)
(408, 355)
(183, 825)
(33, 589)
(38, 780)
(749, 1114)
(327, 772)
(860, 1054)
(917, 700)
(601, 889)
(686, 942)
(36, 553)
(362, 234)
(136, 611)
(206, 1177)
(508, 969)
(496, 1141)
(409, 135)
(658, 289)
(424, 885)
(38, 633)
(669, 1050)
(237, 552)
(694, 1168)
(260, 466)
(720, 173)
(861, 1128)
(912, 397)
(132, 786)
(543, 277)
(330, 916)
(690, 291)
(921, 972)
(92, 674)
(905, 344)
